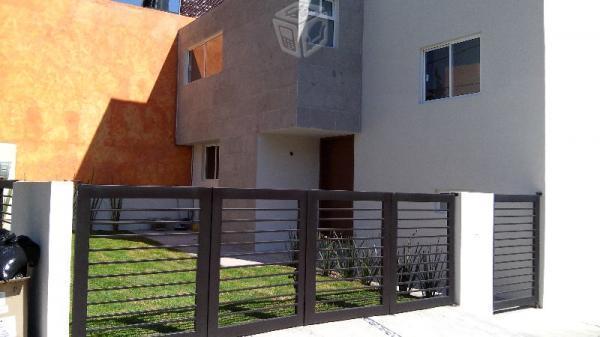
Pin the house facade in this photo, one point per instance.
(457, 96)
(355, 114)
(409, 96)
(264, 109)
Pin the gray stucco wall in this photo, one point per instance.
(256, 89)
(264, 90)
(492, 141)
(330, 81)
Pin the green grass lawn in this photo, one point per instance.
(148, 316)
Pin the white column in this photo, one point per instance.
(474, 246)
(44, 212)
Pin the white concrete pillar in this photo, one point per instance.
(474, 246)
(44, 212)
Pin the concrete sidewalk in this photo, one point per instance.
(452, 322)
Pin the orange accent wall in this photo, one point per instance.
(88, 92)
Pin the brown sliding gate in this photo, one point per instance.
(232, 262)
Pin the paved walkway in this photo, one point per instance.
(452, 322)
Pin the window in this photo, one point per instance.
(211, 162)
(320, 29)
(164, 5)
(452, 69)
(206, 59)
(4, 170)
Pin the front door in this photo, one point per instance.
(337, 173)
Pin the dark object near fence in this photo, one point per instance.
(16, 253)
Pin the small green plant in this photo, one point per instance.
(407, 264)
(116, 204)
(344, 257)
(431, 271)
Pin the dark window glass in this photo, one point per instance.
(211, 168)
(437, 74)
(206, 59)
(197, 64)
(465, 68)
(327, 8)
(321, 31)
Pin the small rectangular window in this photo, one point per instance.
(211, 162)
(321, 23)
(206, 59)
(452, 70)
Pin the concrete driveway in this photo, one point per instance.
(452, 322)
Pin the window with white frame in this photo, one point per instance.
(211, 162)
(205, 59)
(452, 69)
(322, 17)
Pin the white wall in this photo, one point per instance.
(278, 168)
(284, 162)
(489, 142)
(44, 212)
(474, 248)
(572, 160)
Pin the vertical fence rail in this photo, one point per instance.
(517, 247)
(249, 261)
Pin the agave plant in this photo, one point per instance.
(326, 255)
(431, 271)
(408, 259)
(116, 204)
(369, 265)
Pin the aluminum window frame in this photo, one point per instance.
(423, 72)
(335, 17)
(187, 57)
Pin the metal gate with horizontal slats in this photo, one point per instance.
(516, 251)
(187, 261)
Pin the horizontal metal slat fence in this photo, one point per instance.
(6, 195)
(345, 255)
(258, 262)
(231, 262)
(423, 250)
(516, 251)
(141, 261)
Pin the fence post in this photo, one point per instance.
(44, 212)
(474, 249)
(312, 218)
(390, 243)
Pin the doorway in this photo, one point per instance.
(337, 173)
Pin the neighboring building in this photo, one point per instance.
(96, 101)
(196, 8)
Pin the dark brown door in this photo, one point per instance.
(337, 173)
